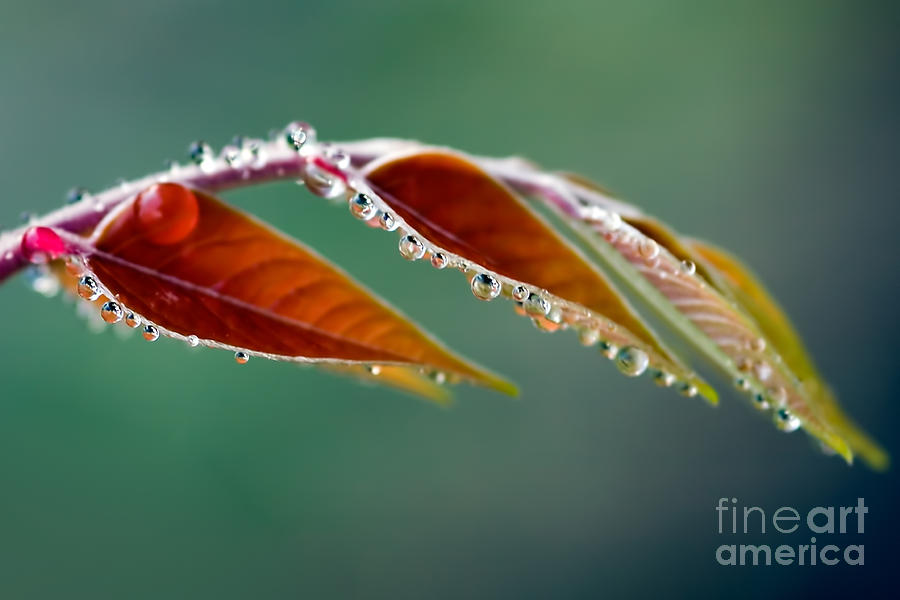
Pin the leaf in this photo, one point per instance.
(465, 213)
(666, 273)
(193, 266)
(731, 275)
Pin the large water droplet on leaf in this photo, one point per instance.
(632, 361)
(88, 288)
(485, 287)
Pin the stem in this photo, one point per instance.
(278, 162)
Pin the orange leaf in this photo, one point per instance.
(193, 266)
(462, 210)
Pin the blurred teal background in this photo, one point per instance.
(135, 470)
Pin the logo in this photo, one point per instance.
(824, 526)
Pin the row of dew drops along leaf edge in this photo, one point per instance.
(611, 227)
(546, 312)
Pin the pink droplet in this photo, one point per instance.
(40, 244)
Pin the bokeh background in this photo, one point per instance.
(135, 470)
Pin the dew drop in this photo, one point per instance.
(688, 390)
(201, 154)
(688, 267)
(762, 370)
(778, 395)
(322, 182)
(608, 349)
(338, 158)
(132, 320)
(241, 357)
(43, 282)
(742, 384)
(536, 305)
(555, 315)
(648, 249)
(664, 379)
(193, 341)
(76, 194)
(111, 312)
(233, 156)
(786, 421)
(520, 293)
(297, 134)
(387, 222)
(485, 287)
(545, 324)
(588, 336)
(167, 213)
(632, 361)
(411, 248)
(374, 369)
(760, 402)
(74, 266)
(151, 333)
(439, 377)
(88, 288)
(758, 345)
(438, 260)
(362, 207)
(42, 244)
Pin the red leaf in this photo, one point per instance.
(193, 266)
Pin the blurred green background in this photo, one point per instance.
(135, 470)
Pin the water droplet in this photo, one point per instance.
(241, 357)
(76, 194)
(167, 213)
(758, 345)
(42, 244)
(786, 421)
(536, 305)
(74, 266)
(760, 402)
(762, 370)
(322, 182)
(411, 248)
(485, 287)
(742, 384)
(297, 134)
(111, 312)
(778, 396)
(193, 341)
(201, 154)
(588, 336)
(43, 282)
(374, 369)
(688, 390)
(664, 379)
(151, 333)
(132, 320)
(362, 207)
(688, 267)
(544, 324)
(648, 248)
(632, 361)
(438, 260)
(608, 349)
(387, 222)
(88, 288)
(233, 156)
(338, 158)
(520, 293)
(555, 315)
(439, 377)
